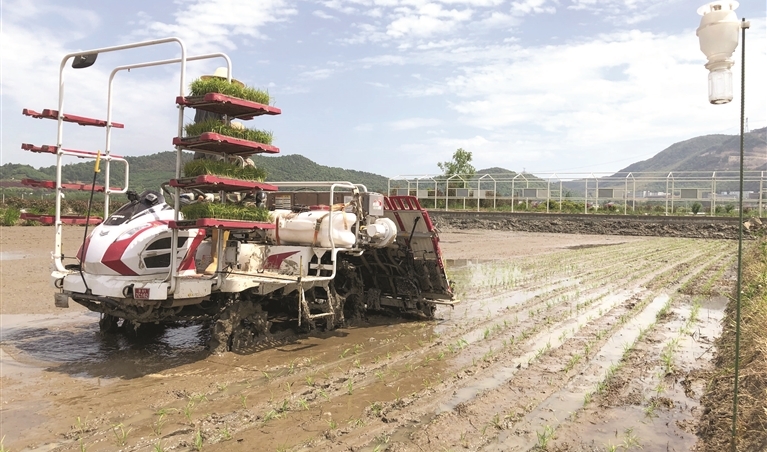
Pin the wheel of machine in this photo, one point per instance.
(108, 324)
(240, 325)
(428, 310)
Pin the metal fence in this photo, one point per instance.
(630, 193)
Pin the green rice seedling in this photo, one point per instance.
(271, 414)
(159, 423)
(220, 127)
(324, 394)
(198, 398)
(158, 447)
(244, 401)
(383, 438)
(227, 211)
(332, 424)
(649, 410)
(188, 411)
(357, 363)
(630, 439)
(349, 386)
(289, 387)
(497, 422)
(198, 440)
(356, 422)
(2, 446)
(303, 404)
(201, 167)
(121, 435)
(226, 434)
(545, 436)
(309, 380)
(572, 362)
(379, 374)
(81, 425)
(376, 408)
(200, 87)
(659, 388)
(285, 407)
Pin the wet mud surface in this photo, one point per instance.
(559, 343)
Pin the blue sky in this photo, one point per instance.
(391, 86)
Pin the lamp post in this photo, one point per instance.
(718, 34)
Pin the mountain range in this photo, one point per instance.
(702, 154)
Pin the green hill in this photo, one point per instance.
(709, 153)
(150, 171)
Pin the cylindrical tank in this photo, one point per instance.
(300, 228)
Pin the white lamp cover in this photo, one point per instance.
(718, 35)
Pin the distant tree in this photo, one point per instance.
(696, 207)
(459, 166)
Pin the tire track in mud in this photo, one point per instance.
(477, 374)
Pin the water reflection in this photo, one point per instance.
(74, 345)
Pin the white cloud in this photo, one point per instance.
(318, 74)
(322, 14)
(531, 7)
(213, 25)
(414, 123)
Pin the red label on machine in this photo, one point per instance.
(141, 293)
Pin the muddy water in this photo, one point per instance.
(72, 344)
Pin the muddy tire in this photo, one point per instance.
(108, 324)
(240, 325)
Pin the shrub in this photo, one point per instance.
(11, 216)
(696, 207)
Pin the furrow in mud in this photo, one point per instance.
(536, 352)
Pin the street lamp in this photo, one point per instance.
(718, 34)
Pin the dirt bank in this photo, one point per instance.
(590, 224)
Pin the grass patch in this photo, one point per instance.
(224, 212)
(202, 87)
(220, 127)
(11, 216)
(752, 412)
(201, 167)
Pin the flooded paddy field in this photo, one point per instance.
(560, 343)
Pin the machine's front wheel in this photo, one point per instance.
(108, 324)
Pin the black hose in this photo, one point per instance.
(88, 219)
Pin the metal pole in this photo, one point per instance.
(744, 26)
